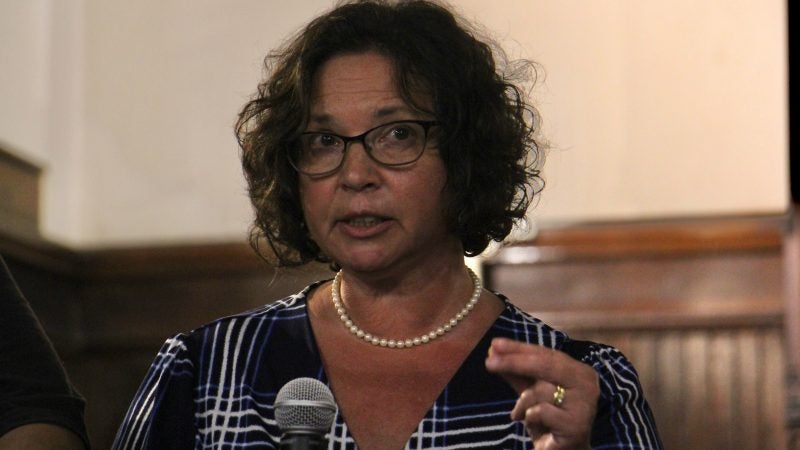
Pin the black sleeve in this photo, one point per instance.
(33, 384)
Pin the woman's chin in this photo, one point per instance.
(365, 261)
(356, 265)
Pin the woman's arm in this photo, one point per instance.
(161, 414)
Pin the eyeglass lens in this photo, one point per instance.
(391, 144)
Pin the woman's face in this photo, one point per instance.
(368, 217)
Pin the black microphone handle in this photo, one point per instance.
(303, 441)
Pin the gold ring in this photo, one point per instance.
(558, 395)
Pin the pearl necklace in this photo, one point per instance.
(403, 343)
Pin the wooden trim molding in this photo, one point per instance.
(665, 238)
(41, 254)
(19, 195)
(691, 274)
(172, 261)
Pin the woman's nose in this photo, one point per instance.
(359, 170)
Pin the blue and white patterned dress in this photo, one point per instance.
(214, 388)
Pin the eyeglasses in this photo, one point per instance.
(391, 144)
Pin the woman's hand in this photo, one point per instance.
(535, 372)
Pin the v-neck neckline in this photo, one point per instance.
(474, 360)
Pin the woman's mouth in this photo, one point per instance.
(362, 227)
(365, 221)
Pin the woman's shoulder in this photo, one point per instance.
(289, 311)
(525, 326)
(518, 324)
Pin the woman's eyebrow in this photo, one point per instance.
(320, 119)
(391, 110)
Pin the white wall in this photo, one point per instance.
(41, 67)
(164, 83)
(653, 108)
(659, 108)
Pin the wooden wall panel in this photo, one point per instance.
(131, 300)
(792, 325)
(710, 389)
(107, 380)
(108, 312)
(698, 307)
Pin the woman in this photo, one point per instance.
(386, 143)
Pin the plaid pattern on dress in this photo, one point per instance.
(214, 388)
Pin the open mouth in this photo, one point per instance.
(364, 221)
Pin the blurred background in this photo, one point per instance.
(666, 227)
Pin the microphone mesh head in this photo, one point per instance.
(304, 404)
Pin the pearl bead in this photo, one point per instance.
(403, 343)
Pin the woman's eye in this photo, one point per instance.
(400, 133)
(326, 140)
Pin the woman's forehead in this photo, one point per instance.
(357, 84)
(355, 74)
(362, 82)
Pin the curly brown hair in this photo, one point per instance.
(486, 137)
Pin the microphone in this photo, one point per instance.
(304, 410)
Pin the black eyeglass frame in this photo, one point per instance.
(346, 140)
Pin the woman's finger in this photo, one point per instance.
(514, 359)
(538, 392)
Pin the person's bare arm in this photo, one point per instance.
(41, 436)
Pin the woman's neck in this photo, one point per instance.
(409, 303)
